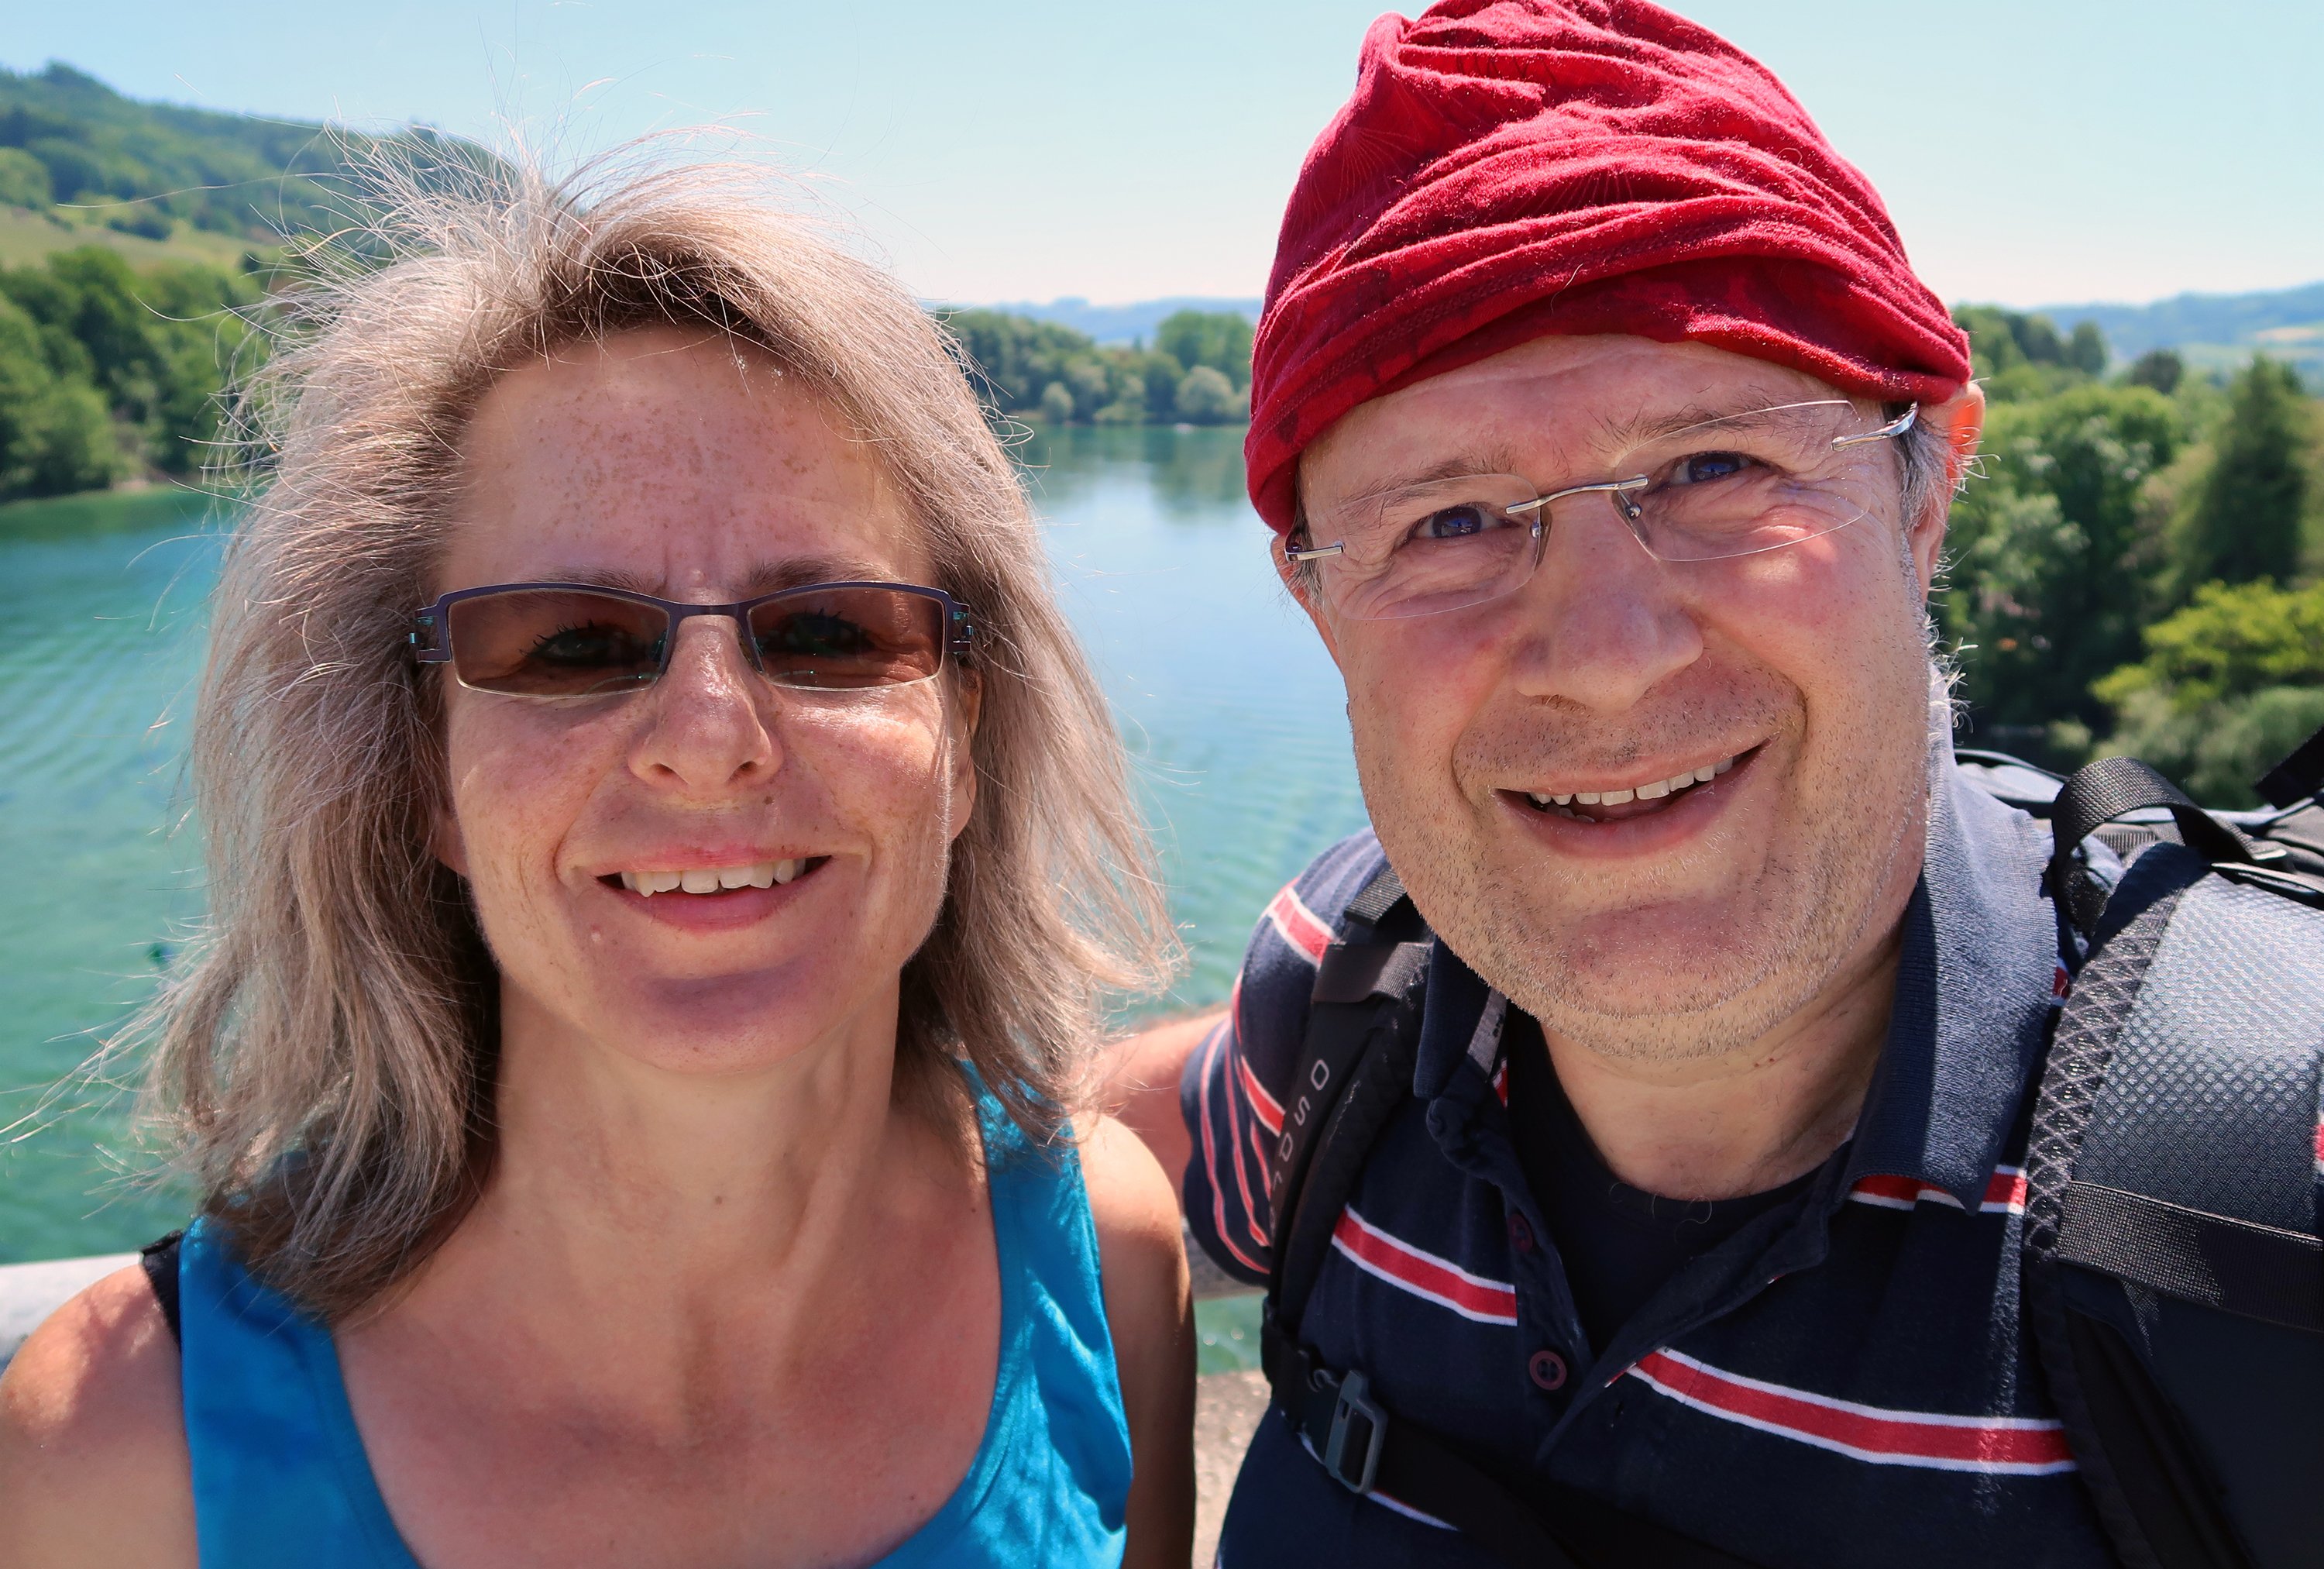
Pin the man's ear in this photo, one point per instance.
(1961, 419)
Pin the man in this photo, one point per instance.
(1702, 1213)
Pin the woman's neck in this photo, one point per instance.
(628, 1202)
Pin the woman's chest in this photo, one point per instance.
(826, 1447)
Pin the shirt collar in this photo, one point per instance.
(1973, 996)
(1973, 1003)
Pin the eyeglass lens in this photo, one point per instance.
(575, 643)
(1732, 486)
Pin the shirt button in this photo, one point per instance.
(1548, 1369)
(1520, 1232)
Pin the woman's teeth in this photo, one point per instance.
(1652, 790)
(713, 879)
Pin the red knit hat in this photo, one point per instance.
(1512, 168)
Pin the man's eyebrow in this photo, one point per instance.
(1460, 466)
(1640, 429)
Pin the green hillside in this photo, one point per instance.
(82, 164)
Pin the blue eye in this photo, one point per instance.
(1454, 523)
(1698, 467)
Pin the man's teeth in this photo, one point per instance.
(1652, 790)
(713, 879)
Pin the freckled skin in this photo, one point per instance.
(606, 469)
(1607, 659)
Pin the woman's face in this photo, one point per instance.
(694, 470)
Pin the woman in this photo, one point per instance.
(665, 851)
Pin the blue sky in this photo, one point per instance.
(2032, 150)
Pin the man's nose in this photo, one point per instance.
(1602, 622)
(709, 726)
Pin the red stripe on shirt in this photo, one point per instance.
(2018, 1445)
(1211, 1158)
(1298, 926)
(1422, 1273)
(2004, 1192)
(1265, 1110)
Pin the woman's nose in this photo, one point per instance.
(709, 726)
(1603, 620)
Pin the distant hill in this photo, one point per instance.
(81, 163)
(2214, 331)
(1122, 324)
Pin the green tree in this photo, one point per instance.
(1220, 339)
(2160, 368)
(55, 436)
(1056, 403)
(1207, 398)
(2245, 520)
(2050, 552)
(2086, 351)
(23, 179)
(2022, 356)
(2228, 687)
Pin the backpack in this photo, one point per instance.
(2175, 1299)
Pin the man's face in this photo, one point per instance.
(1675, 926)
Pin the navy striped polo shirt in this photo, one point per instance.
(1844, 1380)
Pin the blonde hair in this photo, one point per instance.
(325, 1061)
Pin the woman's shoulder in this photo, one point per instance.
(93, 1463)
(1131, 1200)
(1141, 1254)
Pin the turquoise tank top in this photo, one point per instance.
(280, 1476)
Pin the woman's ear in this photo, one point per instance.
(445, 842)
(968, 706)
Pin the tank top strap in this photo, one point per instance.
(1050, 1483)
(279, 1471)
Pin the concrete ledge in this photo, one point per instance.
(29, 1293)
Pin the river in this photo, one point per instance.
(1226, 699)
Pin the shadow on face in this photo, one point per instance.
(708, 872)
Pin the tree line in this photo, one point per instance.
(2136, 568)
(107, 374)
(1197, 371)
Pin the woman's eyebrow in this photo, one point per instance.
(796, 571)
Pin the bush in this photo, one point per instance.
(1056, 403)
(1205, 397)
(23, 179)
(2228, 687)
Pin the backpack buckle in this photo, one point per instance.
(1352, 1453)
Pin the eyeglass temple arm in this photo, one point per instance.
(1896, 427)
(428, 644)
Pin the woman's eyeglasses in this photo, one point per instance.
(573, 639)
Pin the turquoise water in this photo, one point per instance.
(1226, 699)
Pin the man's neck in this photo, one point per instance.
(1749, 1120)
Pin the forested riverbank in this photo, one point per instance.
(2136, 568)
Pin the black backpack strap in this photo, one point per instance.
(2174, 1275)
(159, 1260)
(2110, 789)
(1354, 1073)
(1355, 1069)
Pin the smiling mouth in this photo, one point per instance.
(711, 881)
(1620, 806)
